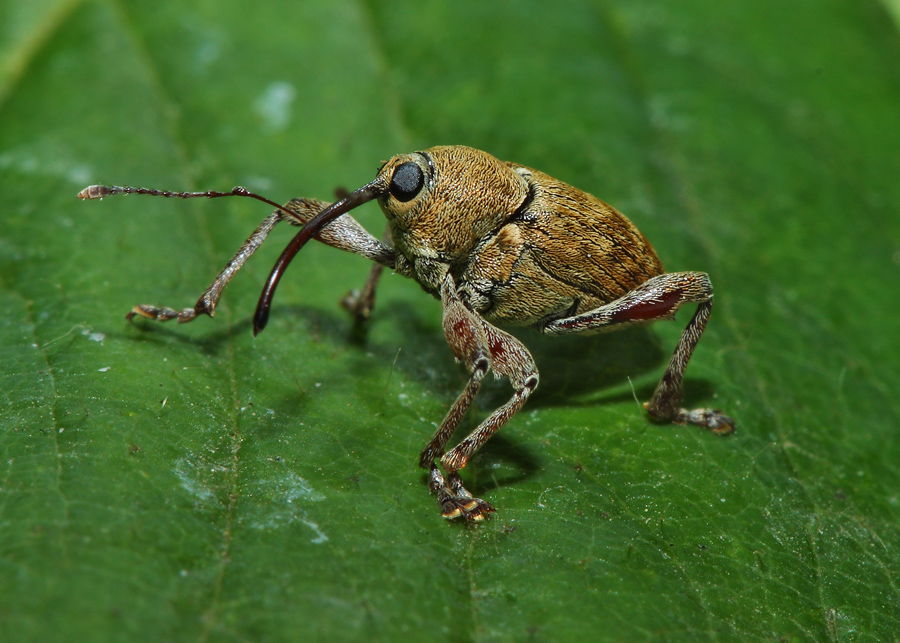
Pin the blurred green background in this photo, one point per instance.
(194, 483)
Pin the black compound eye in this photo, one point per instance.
(407, 182)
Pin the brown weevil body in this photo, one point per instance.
(498, 244)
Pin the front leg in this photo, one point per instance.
(206, 304)
(344, 233)
(656, 299)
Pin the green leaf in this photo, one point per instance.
(190, 482)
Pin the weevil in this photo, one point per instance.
(499, 244)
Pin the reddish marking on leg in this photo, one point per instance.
(496, 346)
(648, 310)
(461, 327)
(462, 339)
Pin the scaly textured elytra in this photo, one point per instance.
(498, 244)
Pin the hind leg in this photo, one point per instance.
(657, 299)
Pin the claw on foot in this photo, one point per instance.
(712, 419)
(455, 500)
(163, 313)
(474, 510)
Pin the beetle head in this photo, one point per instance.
(439, 203)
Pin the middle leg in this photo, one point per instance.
(480, 346)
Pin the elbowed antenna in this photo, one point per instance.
(313, 227)
(102, 191)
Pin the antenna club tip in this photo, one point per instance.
(94, 192)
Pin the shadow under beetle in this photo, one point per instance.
(498, 244)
